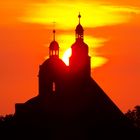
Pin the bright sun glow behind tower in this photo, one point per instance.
(96, 60)
(66, 56)
(65, 51)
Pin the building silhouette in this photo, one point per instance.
(69, 102)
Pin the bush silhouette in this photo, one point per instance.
(134, 116)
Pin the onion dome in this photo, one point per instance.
(54, 45)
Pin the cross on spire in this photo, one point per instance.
(54, 30)
(54, 35)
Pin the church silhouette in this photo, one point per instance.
(69, 102)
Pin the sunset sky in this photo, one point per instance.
(112, 31)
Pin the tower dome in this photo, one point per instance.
(54, 47)
(79, 62)
(79, 29)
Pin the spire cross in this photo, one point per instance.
(54, 35)
(79, 16)
(54, 30)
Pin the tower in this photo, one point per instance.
(52, 71)
(79, 61)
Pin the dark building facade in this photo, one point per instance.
(69, 99)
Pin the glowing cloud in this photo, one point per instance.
(64, 13)
(98, 61)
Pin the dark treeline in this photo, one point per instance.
(8, 125)
(133, 115)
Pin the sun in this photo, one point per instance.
(66, 56)
(96, 61)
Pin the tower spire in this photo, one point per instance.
(79, 16)
(79, 30)
(54, 46)
(54, 30)
(54, 34)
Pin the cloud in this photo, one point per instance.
(94, 14)
(122, 2)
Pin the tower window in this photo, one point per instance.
(53, 52)
(53, 87)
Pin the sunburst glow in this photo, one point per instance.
(66, 56)
(65, 51)
(96, 61)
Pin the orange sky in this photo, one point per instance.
(112, 31)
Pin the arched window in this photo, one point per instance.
(53, 87)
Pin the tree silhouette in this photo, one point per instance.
(7, 121)
(134, 116)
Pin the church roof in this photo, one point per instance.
(54, 66)
(53, 62)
